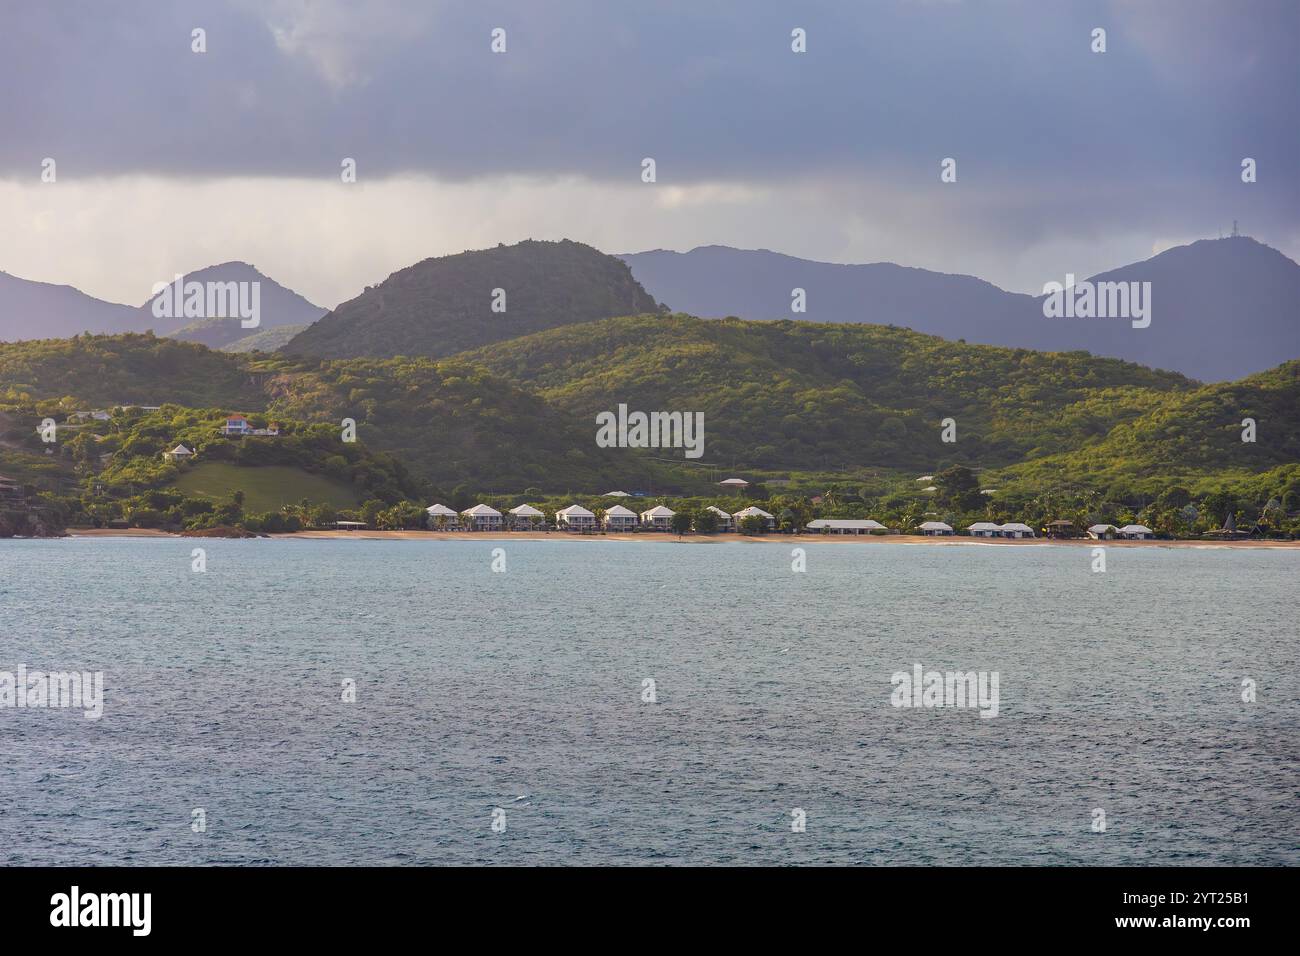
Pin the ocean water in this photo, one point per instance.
(1118, 691)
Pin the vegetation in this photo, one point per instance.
(442, 306)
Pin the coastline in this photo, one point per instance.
(661, 537)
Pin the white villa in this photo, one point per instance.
(1014, 529)
(1136, 532)
(179, 453)
(753, 511)
(658, 518)
(983, 529)
(725, 521)
(935, 528)
(575, 518)
(451, 518)
(482, 518)
(734, 483)
(525, 516)
(618, 518)
(1100, 532)
(846, 525)
(236, 425)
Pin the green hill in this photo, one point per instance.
(442, 306)
(268, 488)
(806, 396)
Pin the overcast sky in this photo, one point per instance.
(1067, 160)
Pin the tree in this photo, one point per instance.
(706, 522)
(753, 524)
(958, 488)
(681, 522)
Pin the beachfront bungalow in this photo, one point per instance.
(482, 518)
(738, 483)
(1014, 529)
(1102, 532)
(658, 518)
(935, 529)
(984, 529)
(179, 453)
(1136, 532)
(350, 525)
(618, 518)
(752, 512)
(525, 516)
(450, 518)
(725, 522)
(575, 518)
(845, 526)
(1060, 528)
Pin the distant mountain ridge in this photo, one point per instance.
(1222, 308)
(442, 306)
(42, 310)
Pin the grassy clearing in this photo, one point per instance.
(266, 488)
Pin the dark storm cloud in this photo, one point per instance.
(710, 90)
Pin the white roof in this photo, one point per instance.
(575, 511)
(750, 511)
(440, 510)
(846, 523)
(1098, 528)
(931, 488)
(479, 511)
(659, 511)
(926, 478)
(180, 450)
(935, 526)
(983, 526)
(1015, 526)
(525, 511)
(1136, 529)
(618, 511)
(616, 494)
(988, 491)
(735, 482)
(717, 511)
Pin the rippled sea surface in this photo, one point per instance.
(1119, 691)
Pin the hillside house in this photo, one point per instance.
(236, 425)
(178, 454)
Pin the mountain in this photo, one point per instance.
(267, 340)
(1221, 309)
(442, 306)
(779, 398)
(277, 306)
(30, 310)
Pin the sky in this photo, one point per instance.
(1067, 160)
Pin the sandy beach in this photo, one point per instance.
(659, 537)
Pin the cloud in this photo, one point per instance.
(833, 153)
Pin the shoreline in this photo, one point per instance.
(662, 537)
